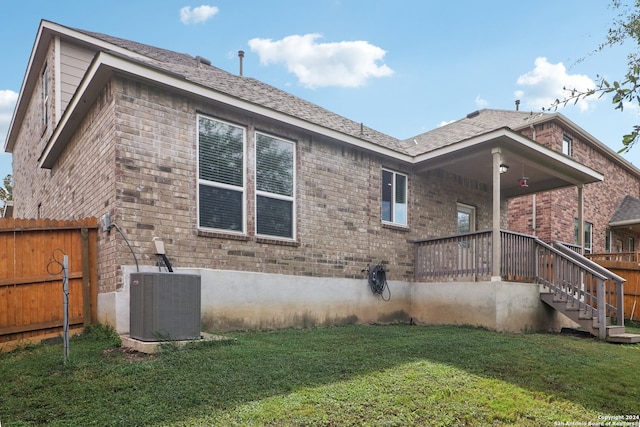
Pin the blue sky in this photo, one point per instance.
(401, 67)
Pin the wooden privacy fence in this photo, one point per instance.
(627, 265)
(31, 278)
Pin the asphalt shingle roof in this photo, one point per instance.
(473, 124)
(628, 210)
(250, 90)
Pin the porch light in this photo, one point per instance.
(504, 168)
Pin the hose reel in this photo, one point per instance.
(378, 280)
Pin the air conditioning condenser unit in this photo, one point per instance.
(164, 306)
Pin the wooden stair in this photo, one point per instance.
(586, 317)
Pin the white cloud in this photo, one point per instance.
(197, 15)
(444, 123)
(481, 103)
(544, 84)
(8, 100)
(346, 64)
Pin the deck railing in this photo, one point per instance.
(586, 285)
(615, 256)
(454, 257)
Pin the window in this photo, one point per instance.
(275, 207)
(394, 197)
(221, 186)
(607, 241)
(632, 245)
(466, 218)
(45, 96)
(588, 235)
(567, 146)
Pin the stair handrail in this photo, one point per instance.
(600, 279)
(586, 261)
(586, 267)
(609, 275)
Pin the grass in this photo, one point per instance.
(396, 375)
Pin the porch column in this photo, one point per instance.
(495, 236)
(581, 241)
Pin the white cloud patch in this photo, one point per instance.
(197, 15)
(481, 103)
(444, 123)
(544, 84)
(8, 99)
(345, 64)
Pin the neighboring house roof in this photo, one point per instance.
(627, 213)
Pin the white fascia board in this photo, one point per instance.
(20, 109)
(625, 223)
(516, 138)
(46, 32)
(106, 64)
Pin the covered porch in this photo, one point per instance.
(559, 275)
(511, 165)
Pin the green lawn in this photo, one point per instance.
(354, 375)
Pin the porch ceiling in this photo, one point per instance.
(545, 169)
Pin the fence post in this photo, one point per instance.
(602, 309)
(86, 280)
(619, 289)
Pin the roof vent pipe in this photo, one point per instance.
(241, 56)
(517, 105)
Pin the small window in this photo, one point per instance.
(394, 197)
(567, 146)
(632, 245)
(221, 187)
(45, 96)
(607, 241)
(588, 235)
(466, 218)
(275, 187)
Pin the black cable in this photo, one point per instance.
(113, 224)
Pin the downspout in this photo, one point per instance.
(534, 224)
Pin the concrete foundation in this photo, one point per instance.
(233, 300)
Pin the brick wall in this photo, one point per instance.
(339, 230)
(557, 210)
(134, 157)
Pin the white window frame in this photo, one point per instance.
(588, 235)
(567, 145)
(392, 207)
(467, 210)
(262, 193)
(242, 189)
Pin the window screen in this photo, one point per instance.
(394, 197)
(274, 187)
(221, 175)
